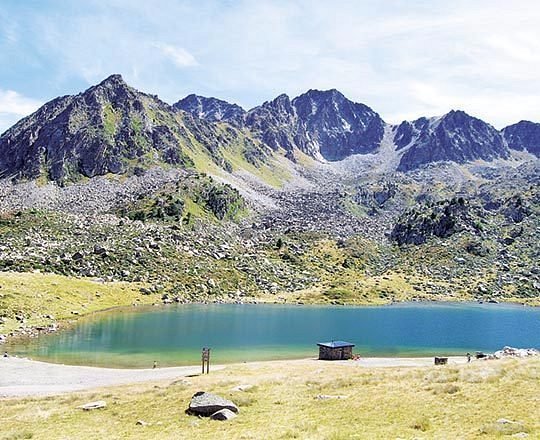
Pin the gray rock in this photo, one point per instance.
(93, 405)
(205, 404)
(223, 414)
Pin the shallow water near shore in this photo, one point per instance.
(174, 335)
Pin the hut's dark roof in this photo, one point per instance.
(335, 344)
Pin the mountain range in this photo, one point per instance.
(314, 198)
(114, 128)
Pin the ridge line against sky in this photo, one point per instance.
(405, 59)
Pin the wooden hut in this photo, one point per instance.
(335, 350)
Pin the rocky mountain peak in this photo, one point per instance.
(524, 135)
(456, 137)
(105, 129)
(114, 80)
(337, 125)
(282, 102)
(212, 109)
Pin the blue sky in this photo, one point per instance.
(405, 59)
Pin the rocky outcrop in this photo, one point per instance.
(212, 109)
(455, 137)
(441, 219)
(515, 352)
(524, 135)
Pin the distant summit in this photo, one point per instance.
(455, 137)
(212, 109)
(322, 124)
(524, 135)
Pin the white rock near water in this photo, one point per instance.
(515, 352)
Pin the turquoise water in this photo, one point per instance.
(175, 335)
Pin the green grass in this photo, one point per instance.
(110, 121)
(35, 295)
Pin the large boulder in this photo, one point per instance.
(205, 404)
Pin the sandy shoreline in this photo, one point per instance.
(21, 377)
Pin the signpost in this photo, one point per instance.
(206, 359)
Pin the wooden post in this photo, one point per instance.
(206, 359)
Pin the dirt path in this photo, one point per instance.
(25, 377)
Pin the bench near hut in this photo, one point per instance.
(335, 350)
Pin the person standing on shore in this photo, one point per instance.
(468, 357)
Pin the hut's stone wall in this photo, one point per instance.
(335, 354)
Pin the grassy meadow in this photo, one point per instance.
(44, 298)
(282, 400)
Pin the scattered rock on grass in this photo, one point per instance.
(244, 387)
(93, 405)
(505, 427)
(223, 414)
(326, 397)
(205, 404)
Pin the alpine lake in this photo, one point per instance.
(175, 335)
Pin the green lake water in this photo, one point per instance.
(174, 335)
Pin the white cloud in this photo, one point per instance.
(178, 55)
(13, 102)
(13, 107)
(403, 58)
